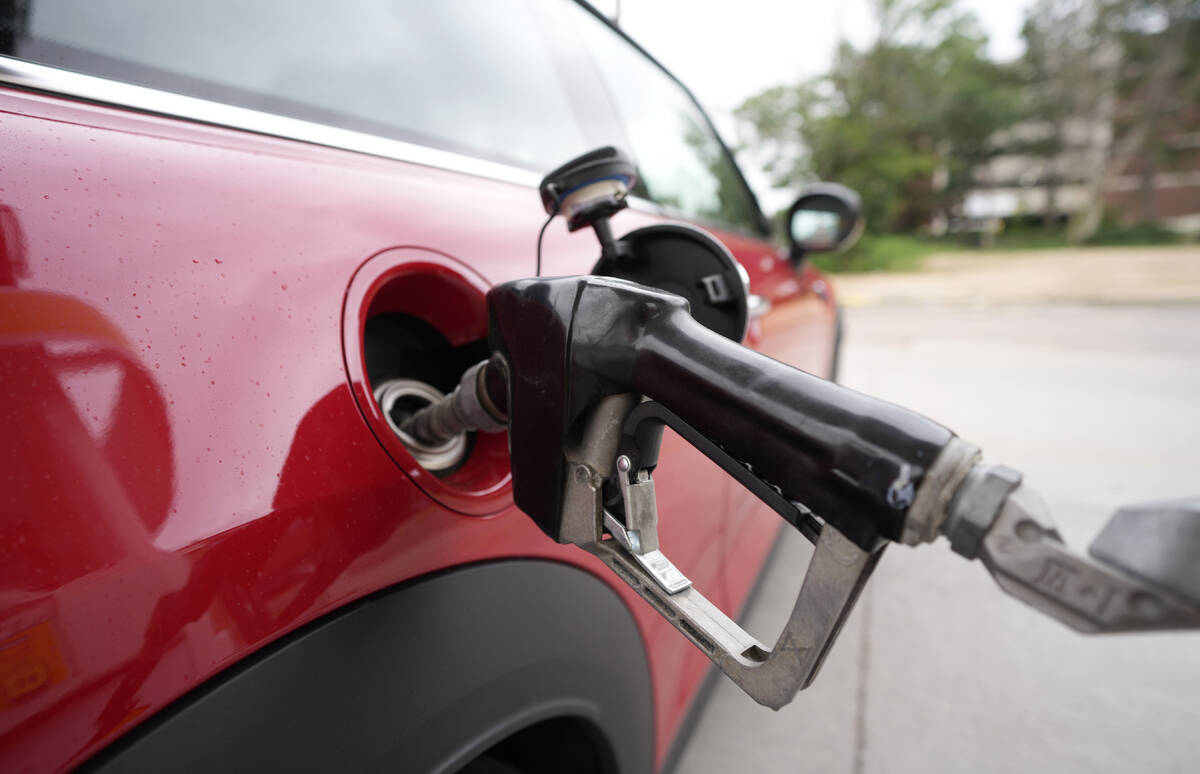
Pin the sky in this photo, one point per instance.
(725, 52)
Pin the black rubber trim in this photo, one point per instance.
(418, 678)
(835, 363)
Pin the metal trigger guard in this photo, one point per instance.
(612, 442)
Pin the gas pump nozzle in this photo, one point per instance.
(596, 367)
(583, 353)
(591, 369)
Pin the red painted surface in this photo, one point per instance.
(450, 296)
(188, 475)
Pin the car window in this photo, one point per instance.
(471, 76)
(681, 161)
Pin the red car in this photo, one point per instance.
(222, 226)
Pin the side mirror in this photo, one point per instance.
(826, 217)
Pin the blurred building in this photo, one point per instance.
(1162, 187)
(1132, 151)
(1023, 184)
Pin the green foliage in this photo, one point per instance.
(1029, 238)
(906, 252)
(911, 119)
(1138, 234)
(922, 99)
(883, 252)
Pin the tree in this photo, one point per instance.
(1065, 77)
(1157, 90)
(922, 98)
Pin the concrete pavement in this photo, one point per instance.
(937, 670)
(1083, 275)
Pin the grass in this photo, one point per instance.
(907, 252)
(882, 252)
(1145, 234)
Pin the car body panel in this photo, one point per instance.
(191, 476)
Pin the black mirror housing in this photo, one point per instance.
(826, 217)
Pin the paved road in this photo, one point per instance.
(937, 671)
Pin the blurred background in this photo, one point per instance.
(1016, 124)
(1030, 276)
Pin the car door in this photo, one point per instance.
(196, 191)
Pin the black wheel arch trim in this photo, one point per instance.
(423, 676)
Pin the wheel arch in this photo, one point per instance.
(424, 676)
